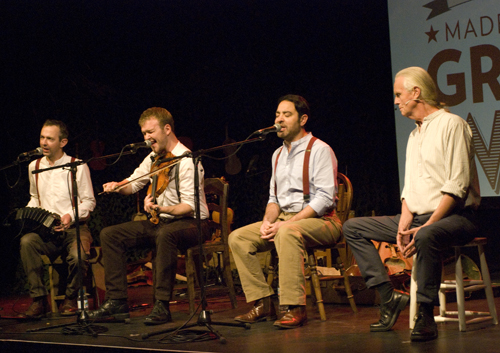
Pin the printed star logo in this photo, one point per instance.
(432, 35)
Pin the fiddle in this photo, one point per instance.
(124, 183)
(160, 180)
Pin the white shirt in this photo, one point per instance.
(440, 159)
(186, 183)
(288, 175)
(55, 188)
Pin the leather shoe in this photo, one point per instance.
(389, 312)
(425, 328)
(111, 310)
(38, 309)
(294, 317)
(262, 310)
(69, 307)
(159, 315)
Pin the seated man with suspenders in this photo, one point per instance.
(52, 191)
(173, 224)
(300, 213)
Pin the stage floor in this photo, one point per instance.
(343, 331)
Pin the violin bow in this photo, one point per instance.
(141, 177)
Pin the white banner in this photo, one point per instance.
(458, 42)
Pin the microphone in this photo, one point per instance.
(143, 144)
(416, 100)
(36, 152)
(275, 128)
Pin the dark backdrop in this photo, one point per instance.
(218, 67)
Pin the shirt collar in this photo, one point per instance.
(60, 161)
(179, 149)
(176, 151)
(432, 116)
(301, 141)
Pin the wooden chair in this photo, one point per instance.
(219, 245)
(57, 272)
(460, 287)
(345, 196)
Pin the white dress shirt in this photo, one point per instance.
(55, 188)
(439, 160)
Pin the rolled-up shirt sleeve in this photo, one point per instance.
(140, 173)
(457, 161)
(323, 184)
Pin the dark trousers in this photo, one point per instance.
(32, 247)
(430, 241)
(166, 237)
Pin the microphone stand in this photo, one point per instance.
(204, 318)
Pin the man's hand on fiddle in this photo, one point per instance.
(149, 205)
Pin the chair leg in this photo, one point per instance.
(52, 290)
(487, 282)
(460, 290)
(53, 303)
(229, 279)
(316, 286)
(442, 298)
(413, 293)
(341, 260)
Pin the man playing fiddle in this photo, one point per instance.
(177, 227)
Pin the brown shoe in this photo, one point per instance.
(262, 310)
(69, 307)
(38, 309)
(293, 318)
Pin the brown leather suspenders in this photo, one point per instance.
(305, 170)
(37, 166)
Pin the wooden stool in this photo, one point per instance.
(460, 286)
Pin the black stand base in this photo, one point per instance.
(81, 322)
(203, 320)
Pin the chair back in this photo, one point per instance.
(217, 206)
(345, 196)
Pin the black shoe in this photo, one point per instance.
(389, 312)
(425, 327)
(110, 310)
(159, 315)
